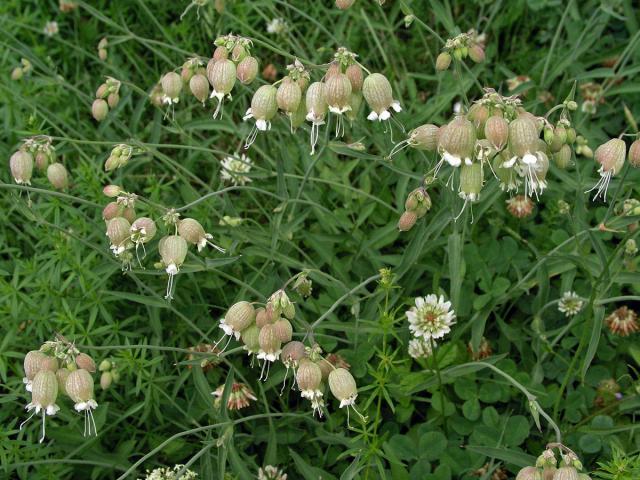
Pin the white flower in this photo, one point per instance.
(277, 26)
(228, 329)
(234, 168)
(419, 348)
(50, 29)
(570, 304)
(315, 396)
(432, 317)
(168, 473)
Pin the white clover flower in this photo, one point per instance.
(271, 473)
(432, 317)
(168, 473)
(277, 26)
(419, 348)
(234, 168)
(50, 28)
(570, 304)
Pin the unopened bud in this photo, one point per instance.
(247, 70)
(355, 76)
(634, 154)
(476, 53)
(57, 175)
(496, 130)
(86, 362)
(407, 221)
(105, 380)
(21, 165)
(99, 109)
(283, 329)
(443, 61)
(111, 191)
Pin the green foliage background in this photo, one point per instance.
(335, 214)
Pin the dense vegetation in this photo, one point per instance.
(517, 362)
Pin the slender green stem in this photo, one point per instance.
(440, 384)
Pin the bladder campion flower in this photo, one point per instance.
(317, 107)
(309, 379)
(570, 304)
(432, 317)
(263, 108)
(343, 387)
(611, 156)
(378, 93)
(44, 392)
(79, 387)
(173, 250)
(191, 230)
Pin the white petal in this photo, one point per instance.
(372, 116)
(396, 106)
(385, 115)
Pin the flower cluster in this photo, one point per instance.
(170, 473)
(460, 47)
(270, 472)
(23, 69)
(102, 48)
(623, 322)
(40, 152)
(496, 134)
(239, 397)
(416, 206)
(570, 304)
(107, 96)
(108, 373)
(58, 367)
(547, 465)
(430, 319)
(267, 335)
(234, 169)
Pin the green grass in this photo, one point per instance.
(333, 214)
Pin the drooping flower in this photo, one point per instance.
(344, 388)
(79, 387)
(234, 169)
(520, 206)
(240, 396)
(570, 304)
(432, 317)
(43, 397)
(623, 322)
(309, 379)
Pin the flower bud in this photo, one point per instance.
(118, 231)
(99, 109)
(344, 4)
(79, 386)
(220, 53)
(566, 473)
(355, 76)
(634, 154)
(476, 53)
(105, 380)
(379, 96)
(478, 114)
(102, 91)
(113, 99)
(173, 250)
(529, 473)
(279, 303)
(171, 86)
(21, 165)
(17, 73)
(458, 140)
(222, 77)
(292, 353)
(523, 136)
(343, 386)
(308, 376)
(269, 343)
(563, 157)
(443, 61)
(251, 338)
(418, 201)
(496, 130)
(104, 365)
(611, 155)
(407, 221)
(283, 329)
(199, 86)
(561, 134)
(85, 362)
(111, 191)
(288, 96)
(114, 209)
(262, 317)
(247, 70)
(239, 316)
(571, 136)
(57, 175)
(264, 105)
(338, 92)
(425, 137)
(42, 160)
(238, 53)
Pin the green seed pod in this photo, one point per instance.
(85, 362)
(611, 155)
(79, 386)
(269, 343)
(57, 175)
(561, 133)
(171, 86)
(443, 61)
(523, 136)
(238, 53)
(247, 70)
(529, 473)
(634, 154)
(118, 231)
(21, 166)
(250, 338)
(199, 86)
(61, 376)
(338, 93)
(355, 76)
(471, 181)
(44, 390)
(496, 130)
(548, 135)
(407, 221)
(99, 109)
(571, 136)
(220, 53)
(113, 99)
(264, 105)
(316, 101)
(173, 250)
(105, 380)
(308, 376)
(457, 141)
(563, 157)
(283, 329)
(143, 230)
(566, 473)
(476, 53)
(240, 315)
(292, 353)
(378, 93)
(288, 96)
(343, 386)
(556, 144)
(222, 77)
